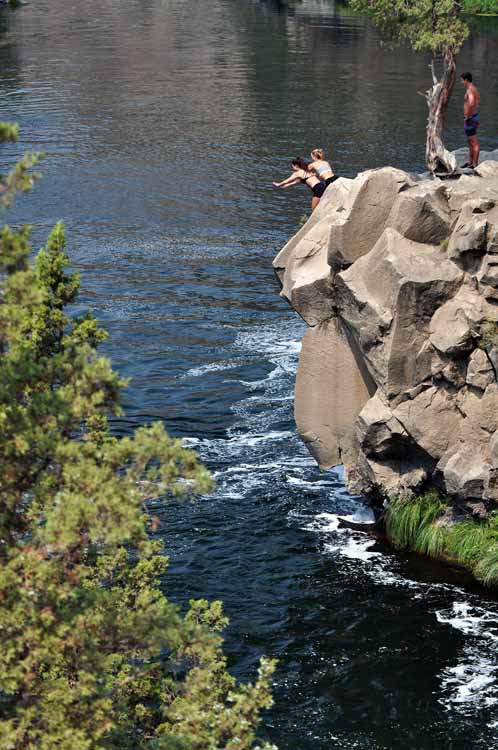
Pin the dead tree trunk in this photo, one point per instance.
(439, 160)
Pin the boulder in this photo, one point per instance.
(452, 370)
(387, 299)
(468, 188)
(466, 474)
(492, 352)
(480, 372)
(398, 375)
(330, 392)
(302, 267)
(470, 232)
(493, 450)
(421, 213)
(450, 329)
(487, 277)
(487, 168)
(379, 432)
(432, 420)
(395, 477)
(456, 324)
(479, 412)
(370, 199)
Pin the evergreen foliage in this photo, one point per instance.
(417, 523)
(93, 655)
(19, 178)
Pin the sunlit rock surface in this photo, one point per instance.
(397, 279)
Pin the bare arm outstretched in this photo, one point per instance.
(292, 180)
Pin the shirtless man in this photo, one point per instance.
(471, 102)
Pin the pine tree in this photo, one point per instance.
(433, 26)
(93, 655)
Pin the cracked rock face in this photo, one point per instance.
(397, 279)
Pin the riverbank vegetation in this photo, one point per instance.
(423, 524)
(94, 655)
(480, 6)
(470, 7)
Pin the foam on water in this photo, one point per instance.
(472, 684)
(256, 445)
(471, 620)
(256, 450)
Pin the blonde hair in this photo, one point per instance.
(318, 154)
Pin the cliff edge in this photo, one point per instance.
(397, 279)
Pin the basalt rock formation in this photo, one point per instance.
(397, 279)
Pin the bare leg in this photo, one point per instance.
(469, 141)
(475, 151)
(314, 202)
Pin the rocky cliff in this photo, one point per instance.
(397, 279)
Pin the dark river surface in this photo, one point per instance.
(164, 123)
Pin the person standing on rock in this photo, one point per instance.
(471, 101)
(301, 174)
(321, 167)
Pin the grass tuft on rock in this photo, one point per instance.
(486, 569)
(409, 521)
(417, 523)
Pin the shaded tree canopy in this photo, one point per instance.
(427, 25)
(433, 26)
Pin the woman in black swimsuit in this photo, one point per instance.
(301, 173)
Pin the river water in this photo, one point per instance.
(164, 122)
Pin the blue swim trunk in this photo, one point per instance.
(470, 124)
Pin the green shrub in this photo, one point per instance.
(409, 521)
(486, 569)
(416, 523)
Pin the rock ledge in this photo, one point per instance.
(397, 279)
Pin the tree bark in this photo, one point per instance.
(439, 160)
